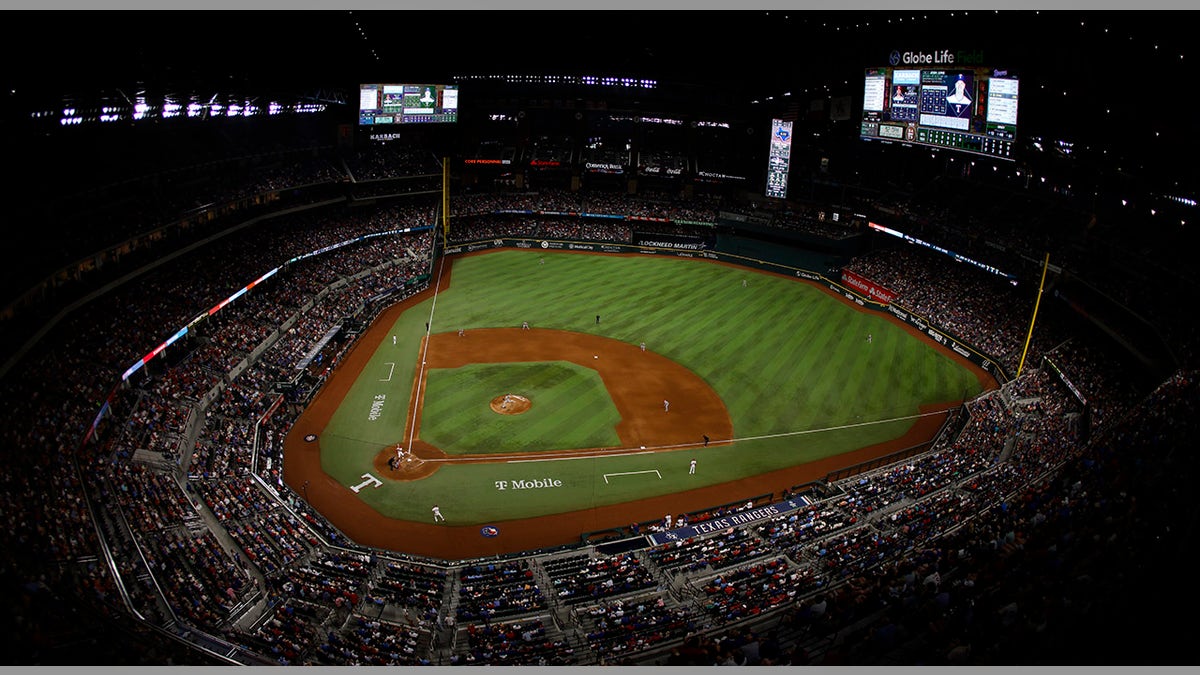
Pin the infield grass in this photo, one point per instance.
(790, 361)
(571, 409)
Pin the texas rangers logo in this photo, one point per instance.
(489, 531)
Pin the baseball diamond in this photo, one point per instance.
(768, 373)
(572, 355)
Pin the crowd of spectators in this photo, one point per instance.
(201, 581)
(156, 408)
(747, 591)
(587, 579)
(616, 629)
(896, 543)
(498, 590)
(379, 161)
(518, 643)
(369, 642)
(136, 206)
(983, 310)
(716, 553)
(590, 202)
(412, 586)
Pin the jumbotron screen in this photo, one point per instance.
(967, 109)
(407, 103)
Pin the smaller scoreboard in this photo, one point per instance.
(407, 104)
(779, 158)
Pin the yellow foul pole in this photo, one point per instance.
(1036, 304)
(445, 199)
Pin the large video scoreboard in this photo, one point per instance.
(407, 103)
(967, 109)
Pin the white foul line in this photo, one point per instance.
(630, 473)
(392, 370)
(412, 428)
(563, 459)
(620, 452)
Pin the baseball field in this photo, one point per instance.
(570, 424)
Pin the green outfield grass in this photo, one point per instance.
(790, 362)
(571, 408)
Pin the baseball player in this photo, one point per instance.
(643, 346)
(461, 332)
(667, 526)
(692, 468)
(870, 338)
(666, 405)
(524, 325)
(744, 284)
(437, 514)
(393, 339)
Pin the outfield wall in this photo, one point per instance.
(697, 247)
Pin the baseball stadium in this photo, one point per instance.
(547, 356)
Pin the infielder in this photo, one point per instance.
(666, 405)
(437, 514)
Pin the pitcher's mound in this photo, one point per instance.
(510, 404)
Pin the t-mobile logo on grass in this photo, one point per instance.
(377, 407)
(528, 484)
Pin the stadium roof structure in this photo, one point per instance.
(1102, 79)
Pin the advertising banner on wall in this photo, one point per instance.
(865, 285)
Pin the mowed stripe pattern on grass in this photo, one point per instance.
(782, 354)
(571, 409)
